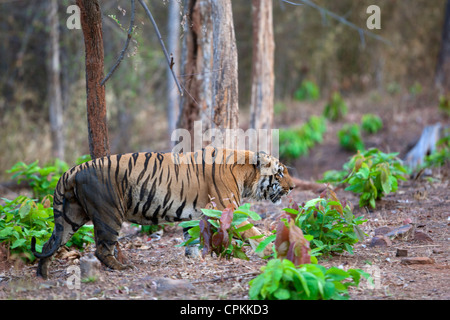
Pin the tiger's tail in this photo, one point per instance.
(55, 240)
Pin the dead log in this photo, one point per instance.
(425, 146)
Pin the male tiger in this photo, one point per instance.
(146, 187)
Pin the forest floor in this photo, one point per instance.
(161, 271)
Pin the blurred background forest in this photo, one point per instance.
(309, 47)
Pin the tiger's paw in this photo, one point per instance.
(266, 252)
(192, 252)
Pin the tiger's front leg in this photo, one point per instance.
(254, 243)
(191, 251)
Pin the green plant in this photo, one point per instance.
(282, 280)
(215, 231)
(350, 137)
(333, 177)
(297, 142)
(440, 157)
(308, 91)
(371, 123)
(42, 180)
(24, 218)
(444, 104)
(415, 89)
(336, 108)
(330, 222)
(374, 174)
(393, 88)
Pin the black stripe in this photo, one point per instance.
(117, 167)
(150, 197)
(213, 174)
(135, 157)
(143, 189)
(195, 201)
(155, 215)
(168, 194)
(141, 175)
(180, 211)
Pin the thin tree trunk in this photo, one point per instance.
(262, 94)
(443, 66)
(91, 24)
(209, 62)
(173, 98)
(54, 89)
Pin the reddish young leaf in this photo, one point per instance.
(299, 247)
(226, 218)
(282, 239)
(205, 235)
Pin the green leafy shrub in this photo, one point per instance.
(330, 222)
(24, 218)
(333, 177)
(350, 137)
(308, 91)
(371, 123)
(374, 174)
(444, 104)
(42, 180)
(282, 280)
(415, 89)
(440, 157)
(297, 142)
(215, 231)
(336, 108)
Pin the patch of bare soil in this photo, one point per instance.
(161, 271)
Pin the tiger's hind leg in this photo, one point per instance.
(67, 223)
(106, 240)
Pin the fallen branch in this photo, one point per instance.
(125, 47)
(169, 62)
(425, 146)
(229, 277)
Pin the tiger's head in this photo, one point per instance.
(272, 179)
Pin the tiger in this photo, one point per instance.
(147, 187)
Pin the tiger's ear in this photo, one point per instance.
(258, 159)
(264, 163)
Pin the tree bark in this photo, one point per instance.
(91, 24)
(225, 69)
(209, 63)
(173, 97)
(54, 88)
(262, 94)
(443, 66)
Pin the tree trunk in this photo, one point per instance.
(54, 88)
(225, 69)
(173, 98)
(91, 24)
(262, 98)
(443, 66)
(209, 62)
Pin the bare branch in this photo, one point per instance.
(125, 47)
(149, 14)
(342, 20)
